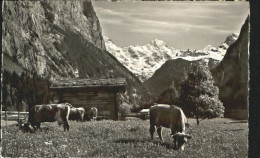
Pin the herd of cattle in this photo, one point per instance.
(161, 115)
(61, 113)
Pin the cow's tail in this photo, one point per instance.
(182, 123)
(66, 121)
(68, 112)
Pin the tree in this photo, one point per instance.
(200, 95)
(169, 96)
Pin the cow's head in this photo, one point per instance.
(181, 139)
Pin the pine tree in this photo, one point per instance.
(4, 89)
(169, 96)
(200, 95)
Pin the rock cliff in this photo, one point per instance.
(231, 76)
(31, 33)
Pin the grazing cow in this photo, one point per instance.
(50, 113)
(25, 126)
(163, 115)
(93, 113)
(77, 113)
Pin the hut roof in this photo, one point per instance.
(87, 83)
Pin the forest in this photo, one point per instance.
(22, 91)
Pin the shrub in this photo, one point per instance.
(124, 109)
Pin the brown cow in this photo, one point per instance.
(93, 113)
(77, 113)
(50, 113)
(163, 115)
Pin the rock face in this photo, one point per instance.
(32, 33)
(143, 61)
(61, 39)
(231, 76)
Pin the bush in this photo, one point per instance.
(124, 109)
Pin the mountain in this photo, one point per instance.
(231, 76)
(61, 39)
(143, 61)
(173, 71)
(163, 64)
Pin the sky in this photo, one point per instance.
(182, 25)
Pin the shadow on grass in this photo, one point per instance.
(164, 144)
(43, 129)
(134, 140)
(234, 129)
(130, 140)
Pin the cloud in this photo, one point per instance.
(108, 12)
(139, 22)
(151, 31)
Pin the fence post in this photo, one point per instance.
(5, 117)
(18, 115)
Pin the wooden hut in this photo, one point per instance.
(87, 93)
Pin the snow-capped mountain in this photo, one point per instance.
(144, 60)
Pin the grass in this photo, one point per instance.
(131, 138)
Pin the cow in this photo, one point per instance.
(93, 113)
(50, 113)
(77, 113)
(169, 116)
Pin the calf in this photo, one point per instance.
(172, 117)
(93, 113)
(50, 113)
(77, 113)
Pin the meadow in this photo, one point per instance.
(130, 138)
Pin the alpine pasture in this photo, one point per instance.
(211, 138)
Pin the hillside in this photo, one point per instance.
(61, 39)
(172, 72)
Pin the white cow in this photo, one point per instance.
(169, 116)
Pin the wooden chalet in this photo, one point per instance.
(87, 93)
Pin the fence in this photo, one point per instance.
(14, 115)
